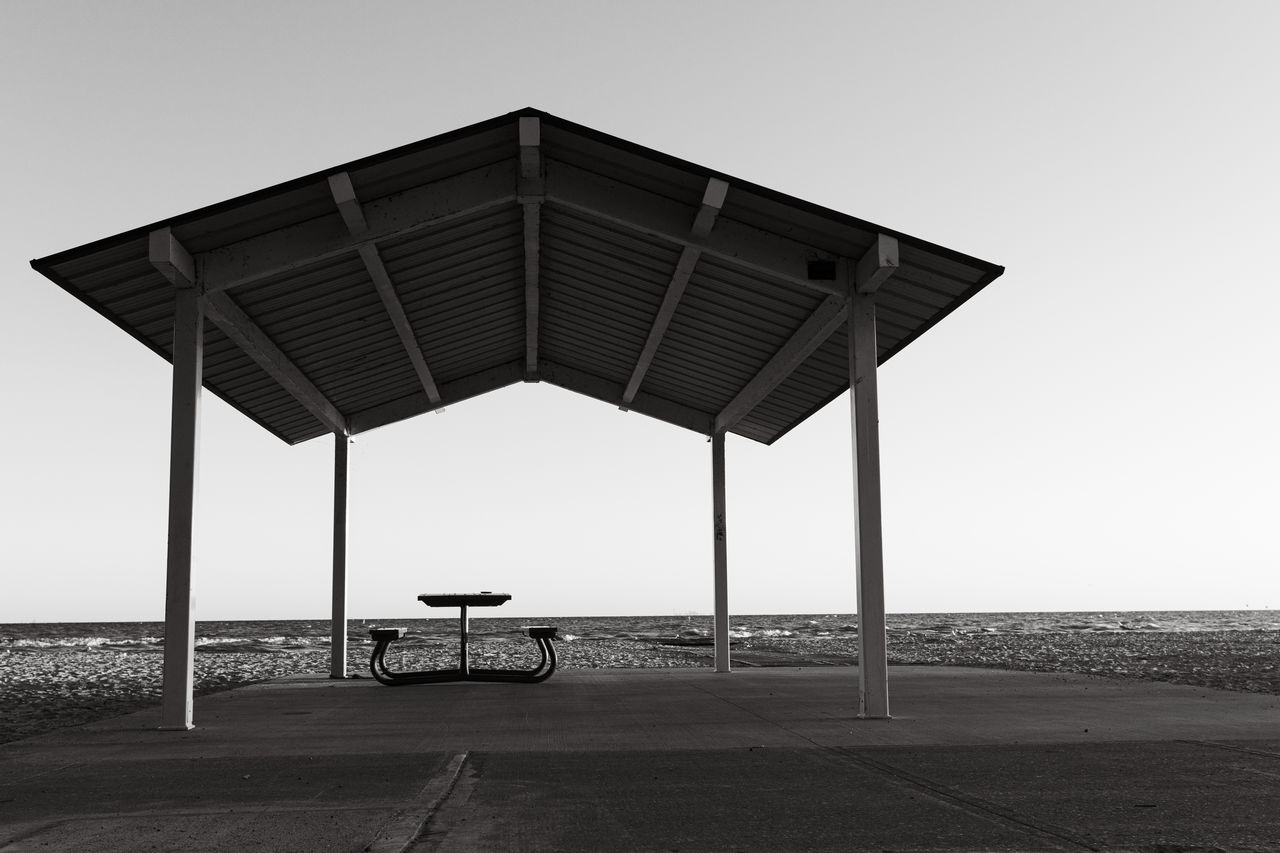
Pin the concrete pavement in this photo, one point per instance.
(768, 759)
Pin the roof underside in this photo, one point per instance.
(525, 248)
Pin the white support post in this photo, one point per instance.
(338, 623)
(873, 669)
(721, 627)
(179, 609)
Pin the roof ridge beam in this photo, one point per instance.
(712, 201)
(736, 243)
(344, 196)
(531, 191)
(864, 276)
(258, 345)
(296, 246)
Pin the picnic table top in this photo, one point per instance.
(464, 599)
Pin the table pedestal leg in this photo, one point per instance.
(464, 663)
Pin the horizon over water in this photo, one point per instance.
(266, 635)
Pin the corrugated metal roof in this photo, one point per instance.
(525, 247)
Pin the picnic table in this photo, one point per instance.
(542, 635)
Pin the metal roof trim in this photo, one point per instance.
(642, 151)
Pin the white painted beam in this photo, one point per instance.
(712, 200)
(813, 333)
(531, 193)
(344, 196)
(721, 550)
(732, 242)
(532, 290)
(179, 607)
(662, 321)
(873, 669)
(236, 325)
(530, 156)
(876, 264)
(338, 618)
(395, 310)
(299, 246)
(171, 258)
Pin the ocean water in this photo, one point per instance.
(313, 634)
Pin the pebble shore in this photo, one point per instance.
(42, 691)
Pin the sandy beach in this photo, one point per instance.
(41, 691)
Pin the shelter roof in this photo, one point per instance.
(523, 248)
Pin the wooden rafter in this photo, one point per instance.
(712, 200)
(349, 206)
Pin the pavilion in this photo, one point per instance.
(525, 248)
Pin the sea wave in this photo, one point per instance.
(80, 643)
(281, 636)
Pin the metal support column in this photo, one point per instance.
(179, 608)
(873, 669)
(338, 623)
(721, 553)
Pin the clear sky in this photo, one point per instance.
(1096, 430)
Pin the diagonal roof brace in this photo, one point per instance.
(531, 191)
(870, 271)
(344, 196)
(171, 258)
(250, 337)
(813, 333)
(712, 200)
